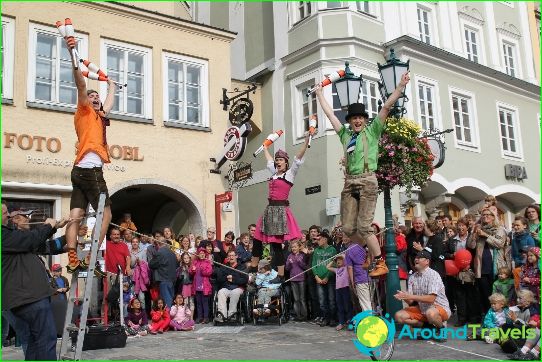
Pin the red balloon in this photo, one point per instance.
(462, 259)
(451, 269)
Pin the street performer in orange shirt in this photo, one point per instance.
(92, 152)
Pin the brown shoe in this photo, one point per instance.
(379, 269)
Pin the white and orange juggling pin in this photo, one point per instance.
(268, 141)
(330, 78)
(70, 32)
(313, 122)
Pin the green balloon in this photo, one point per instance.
(372, 331)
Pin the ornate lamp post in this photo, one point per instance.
(348, 87)
(390, 76)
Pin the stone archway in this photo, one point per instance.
(156, 203)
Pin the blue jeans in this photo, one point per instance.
(326, 298)
(21, 328)
(166, 292)
(38, 316)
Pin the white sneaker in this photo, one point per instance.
(488, 339)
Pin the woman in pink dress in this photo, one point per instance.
(278, 223)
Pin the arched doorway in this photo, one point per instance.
(155, 204)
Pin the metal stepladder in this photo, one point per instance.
(66, 351)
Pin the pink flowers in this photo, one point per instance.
(404, 160)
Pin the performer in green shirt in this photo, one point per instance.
(360, 192)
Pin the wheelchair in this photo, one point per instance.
(242, 310)
(279, 306)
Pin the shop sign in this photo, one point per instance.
(235, 142)
(27, 142)
(313, 190)
(515, 172)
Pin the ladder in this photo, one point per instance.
(66, 350)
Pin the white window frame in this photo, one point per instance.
(296, 87)
(294, 10)
(368, 105)
(430, 23)
(34, 29)
(147, 76)
(515, 47)
(8, 61)
(374, 8)
(204, 81)
(474, 145)
(518, 155)
(481, 41)
(437, 112)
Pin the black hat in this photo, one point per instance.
(356, 109)
(423, 254)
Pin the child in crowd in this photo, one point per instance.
(201, 271)
(342, 291)
(325, 283)
(490, 202)
(497, 315)
(209, 250)
(160, 317)
(136, 322)
(505, 284)
(296, 263)
(127, 294)
(180, 315)
(530, 272)
(266, 288)
(186, 281)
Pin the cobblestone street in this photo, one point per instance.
(271, 342)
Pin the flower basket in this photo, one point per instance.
(404, 159)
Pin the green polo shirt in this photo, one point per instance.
(354, 164)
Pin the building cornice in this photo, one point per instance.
(471, 14)
(144, 15)
(412, 47)
(321, 43)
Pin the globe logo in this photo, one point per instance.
(372, 332)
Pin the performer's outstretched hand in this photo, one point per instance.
(405, 78)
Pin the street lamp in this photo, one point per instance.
(390, 76)
(348, 87)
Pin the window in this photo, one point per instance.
(8, 42)
(508, 51)
(508, 128)
(370, 96)
(50, 67)
(337, 109)
(364, 6)
(424, 25)
(185, 90)
(129, 64)
(471, 44)
(427, 99)
(308, 106)
(334, 4)
(463, 120)
(303, 9)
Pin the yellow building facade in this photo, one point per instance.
(166, 123)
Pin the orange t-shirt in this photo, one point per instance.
(89, 130)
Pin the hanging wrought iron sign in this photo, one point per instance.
(241, 111)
